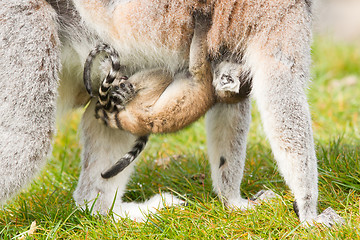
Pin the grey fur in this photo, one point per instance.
(29, 65)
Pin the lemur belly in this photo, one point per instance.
(146, 34)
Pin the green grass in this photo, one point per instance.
(335, 107)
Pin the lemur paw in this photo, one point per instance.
(263, 196)
(245, 204)
(327, 218)
(239, 204)
(120, 95)
(139, 212)
(228, 83)
(228, 77)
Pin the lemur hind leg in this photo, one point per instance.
(227, 127)
(280, 72)
(102, 147)
(29, 65)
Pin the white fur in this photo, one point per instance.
(234, 71)
(227, 128)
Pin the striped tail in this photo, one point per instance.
(127, 158)
(115, 68)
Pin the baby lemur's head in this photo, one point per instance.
(227, 77)
(231, 81)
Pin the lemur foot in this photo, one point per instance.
(258, 198)
(140, 212)
(264, 195)
(119, 94)
(327, 218)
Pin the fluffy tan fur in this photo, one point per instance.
(164, 100)
(170, 25)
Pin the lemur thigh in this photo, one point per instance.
(172, 107)
(279, 83)
(29, 63)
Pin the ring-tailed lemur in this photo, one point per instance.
(271, 39)
(117, 90)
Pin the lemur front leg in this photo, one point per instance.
(29, 65)
(102, 146)
(230, 81)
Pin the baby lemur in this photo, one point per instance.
(116, 90)
(152, 111)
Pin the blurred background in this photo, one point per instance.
(339, 18)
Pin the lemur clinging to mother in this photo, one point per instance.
(144, 89)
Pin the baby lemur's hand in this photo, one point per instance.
(120, 95)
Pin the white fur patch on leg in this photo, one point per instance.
(140, 211)
(240, 204)
(264, 195)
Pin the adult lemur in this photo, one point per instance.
(270, 39)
